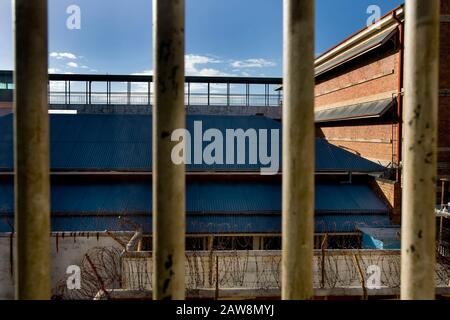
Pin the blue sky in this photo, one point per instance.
(223, 37)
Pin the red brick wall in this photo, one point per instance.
(364, 80)
(343, 88)
(370, 141)
(391, 192)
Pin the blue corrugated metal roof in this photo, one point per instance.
(201, 197)
(210, 206)
(209, 223)
(123, 142)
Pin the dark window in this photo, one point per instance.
(195, 243)
(147, 243)
(272, 243)
(233, 243)
(344, 242)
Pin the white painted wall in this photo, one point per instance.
(69, 250)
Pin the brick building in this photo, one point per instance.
(359, 85)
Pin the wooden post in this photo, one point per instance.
(168, 178)
(31, 147)
(419, 182)
(298, 150)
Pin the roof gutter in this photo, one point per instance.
(386, 21)
(401, 38)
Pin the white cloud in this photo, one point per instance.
(63, 55)
(252, 63)
(72, 64)
(210, 66)
(193, 67)
(53, 70)
(143, 73)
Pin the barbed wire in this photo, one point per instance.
(106, 268)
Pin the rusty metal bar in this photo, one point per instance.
(31, 147)
(298, 150)
(420, 152)
(168, 177)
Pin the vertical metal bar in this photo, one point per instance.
(69, 92)
(86, 93)
(128, 92)
(420, 152)
(168, 177)
(298, 150)
(149, 84)
(247, 94)
(90, 92)
(265, 95)
(189, 94)
(208, 92)
(228, 94)
(65, 92)
(32, 183)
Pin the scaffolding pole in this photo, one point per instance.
(168, 177)
(298, 150)
(420, 153)
(31, 147)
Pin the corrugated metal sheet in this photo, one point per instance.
(89, 142)
(211, 207)
(209, 223)
(357, 111)
(201, 197)
(357, 51)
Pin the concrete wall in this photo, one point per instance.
(66, 251)
(6, 95)
(271, 112)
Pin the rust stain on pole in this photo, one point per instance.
(420, 128)
(298, 150)
(31, 147)
(168, 178)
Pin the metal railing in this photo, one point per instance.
(199, 91)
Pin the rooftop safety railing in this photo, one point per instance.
(138, 90)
